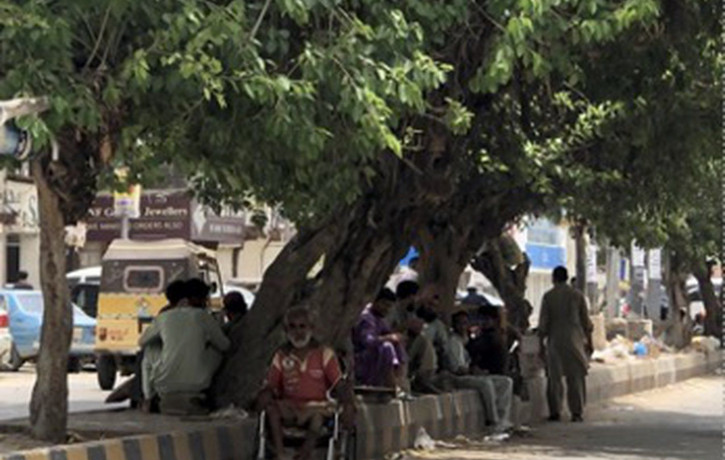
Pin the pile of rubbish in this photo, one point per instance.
(623, 349)
(705, 344)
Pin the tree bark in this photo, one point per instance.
(360, 246)
(256, 338)
(678, 334)
(509, 282)
(713, 308)
(49, 403)
(459, 229)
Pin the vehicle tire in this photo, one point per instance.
(74, 365)
(13, 361)
(106, 371)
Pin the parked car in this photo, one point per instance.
(85, 295)
(84, 275)
(25, 317)
(6, 341)
(84, 285)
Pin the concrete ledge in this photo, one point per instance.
(607, 381)
(391, 427)
(229, 441)
(385, 428)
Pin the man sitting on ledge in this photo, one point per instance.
(302, 374)
(192, 343)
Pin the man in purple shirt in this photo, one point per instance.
(379, 353)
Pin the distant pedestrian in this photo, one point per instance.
(22, 282)
(474, 298)
(235, 308)
(565, 326)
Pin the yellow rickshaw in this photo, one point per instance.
(134, 275)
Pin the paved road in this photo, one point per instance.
(683, 421)
(16, 387)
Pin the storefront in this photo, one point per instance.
(165, 214)
(19, 230)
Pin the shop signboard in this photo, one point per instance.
(164, 214)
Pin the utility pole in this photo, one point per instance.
(654, 283)
(637, 285)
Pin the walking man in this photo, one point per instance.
(565, 326)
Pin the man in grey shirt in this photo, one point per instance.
(192, 346)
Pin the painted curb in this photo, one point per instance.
(219, 442)
(384, 428)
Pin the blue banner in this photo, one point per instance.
(545, 256)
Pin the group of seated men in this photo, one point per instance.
(183, 348)
(401, 342)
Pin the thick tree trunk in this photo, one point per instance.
(359, 246)
(254, 341)
(459, 229)
(446, 249)
(49, 403)
(713, 308)
(678, 331)
(358, 259)
(509, 282)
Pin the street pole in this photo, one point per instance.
(636, 292)
(612, 291)
(654, 283)
(125, 225)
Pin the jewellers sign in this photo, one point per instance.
(164, 214)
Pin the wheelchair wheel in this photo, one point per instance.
(346, 446)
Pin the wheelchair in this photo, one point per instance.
(338, 442)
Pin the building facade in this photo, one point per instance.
(19, 229)
(244, 250)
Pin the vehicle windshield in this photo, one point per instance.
(31, 303)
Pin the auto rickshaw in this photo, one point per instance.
(134, 275)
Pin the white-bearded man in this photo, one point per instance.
(299, 379)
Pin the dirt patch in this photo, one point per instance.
(14, 439)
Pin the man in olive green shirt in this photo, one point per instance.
(565, 325)
(191, 351)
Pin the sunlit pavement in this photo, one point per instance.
(16, 388)
(683, 421)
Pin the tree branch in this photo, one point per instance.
(98, 39)
(258, 24)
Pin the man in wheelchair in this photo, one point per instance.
(299, 387)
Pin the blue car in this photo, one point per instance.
(25, 312)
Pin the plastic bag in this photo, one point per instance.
(423, 441)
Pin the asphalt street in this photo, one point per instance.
(679, 422)
(16, 388)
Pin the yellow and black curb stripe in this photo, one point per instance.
(381, 429)
(227, 442)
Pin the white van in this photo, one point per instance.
(84, 275)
